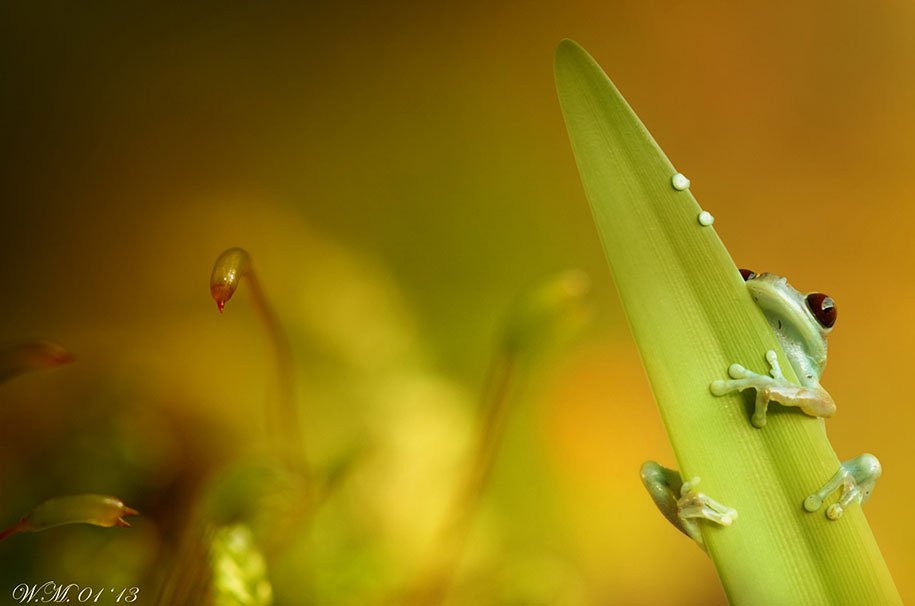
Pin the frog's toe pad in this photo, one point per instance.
(738, 372)
(812, 503)
(694, 504)
(720, 387)
(834, 511)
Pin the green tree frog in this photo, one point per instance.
(801, 324)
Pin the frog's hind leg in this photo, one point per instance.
(695, 505)
(681, 503)
(664, 486)
(857, 478)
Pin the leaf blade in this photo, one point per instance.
(692, 316)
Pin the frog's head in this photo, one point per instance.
(800, 321)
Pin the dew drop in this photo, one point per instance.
(680, 182)
(706, 218)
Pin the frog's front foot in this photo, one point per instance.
(743, 378)
(857, 478)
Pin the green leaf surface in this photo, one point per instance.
(692, 317)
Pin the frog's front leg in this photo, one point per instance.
(774, 387)
(681, 503)
(857, 477)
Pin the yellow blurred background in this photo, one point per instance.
(399, 174)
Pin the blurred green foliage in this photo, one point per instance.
(239, 570)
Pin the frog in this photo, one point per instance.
(801, 323)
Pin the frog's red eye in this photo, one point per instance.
(823, 308)
(747, 274)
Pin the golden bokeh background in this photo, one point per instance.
(399, 174)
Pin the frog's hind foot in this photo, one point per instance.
(681, 503)
(696, 505)
(857, 478)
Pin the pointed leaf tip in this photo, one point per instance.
(567, 48)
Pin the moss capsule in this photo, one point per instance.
(34, 355)
(95, 509)
(229, 268)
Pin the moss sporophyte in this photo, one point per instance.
(240, 523)
(94, 509)
(541, 318)
(31, 356)
(695, 317)
(230, 268)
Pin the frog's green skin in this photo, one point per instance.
(856, 477)
(803, 339)
(681, 503)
